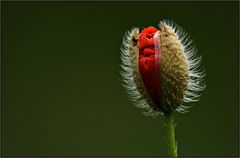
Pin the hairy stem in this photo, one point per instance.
(172, 147)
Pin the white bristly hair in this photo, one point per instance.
(196, 71)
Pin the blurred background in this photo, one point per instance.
(61, 94)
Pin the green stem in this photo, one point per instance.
(172, 147)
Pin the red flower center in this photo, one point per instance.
(148, 62)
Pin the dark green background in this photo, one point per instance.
(61, 90)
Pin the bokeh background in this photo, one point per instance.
(61, 94)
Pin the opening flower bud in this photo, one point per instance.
(160, 69)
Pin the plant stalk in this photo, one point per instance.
(172, 147)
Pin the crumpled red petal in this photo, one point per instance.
(148, 65)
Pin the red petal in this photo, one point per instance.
(149, 51)
(148, 67)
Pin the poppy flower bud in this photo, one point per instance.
(160, 68)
